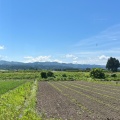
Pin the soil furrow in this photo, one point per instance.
(52, 104)
(105, 98)
(96, 88)
(85, 112)
(106, 87)
(98, 108)
(77, 100)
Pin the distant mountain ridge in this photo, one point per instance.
(11, 65)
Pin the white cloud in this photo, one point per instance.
(2, 47)
(56, 60)
(99, 47)
(75, 58)
(30, 59)
(110, 52)
(95, 60)
(75, 62)
(106, 39)
(37, 59)
(71, 56)
(3, 57)
(102, 57)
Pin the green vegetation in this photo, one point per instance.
(114, 75)
(112, 64)
(97, 73)
(19, 103)
(47, 74)
(50, 74)
(9, 85)
(43, 75)
(18, 89)
(57, 75)
(19, 75)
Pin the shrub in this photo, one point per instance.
(97, 73)
(43, 75)
(64, 75)
(50, 74)
(113, 75)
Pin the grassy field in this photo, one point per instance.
(58, 76)
(9, 85)
(19, 103)
(24, 95)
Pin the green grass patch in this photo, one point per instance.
(19, 104)
(9, 85)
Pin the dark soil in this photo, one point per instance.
(99, 111)
(62, 100)
(52, 104)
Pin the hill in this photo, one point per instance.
(7, 65)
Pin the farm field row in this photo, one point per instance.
(9, 85)
(19, 103)
(78, 100)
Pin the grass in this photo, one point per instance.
(19, 103)
(9, 85)
(58, 76)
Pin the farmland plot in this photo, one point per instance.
(78, 100)
(18, 103)
(9, 85)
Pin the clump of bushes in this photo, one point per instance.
(97, 73)
(43, 75)
(50, 74)
(114, 75)
(64, 75)
(47, 74)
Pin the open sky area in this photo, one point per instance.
(68, 31)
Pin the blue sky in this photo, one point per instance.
(70, 31)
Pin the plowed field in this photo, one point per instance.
(78, 100)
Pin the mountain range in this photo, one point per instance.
(11, 65)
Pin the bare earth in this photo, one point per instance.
(78, 100)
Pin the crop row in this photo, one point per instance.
(104, 85)
(108, 100)
(86, 101)
(9, 85)
(19, 103)
(73, 100)
(94, 91)
(18, 75)
(97, 88)
(90, 97)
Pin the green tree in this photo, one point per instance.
(50, 74)
(43, 75)
(97, 73)
(113, 64)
